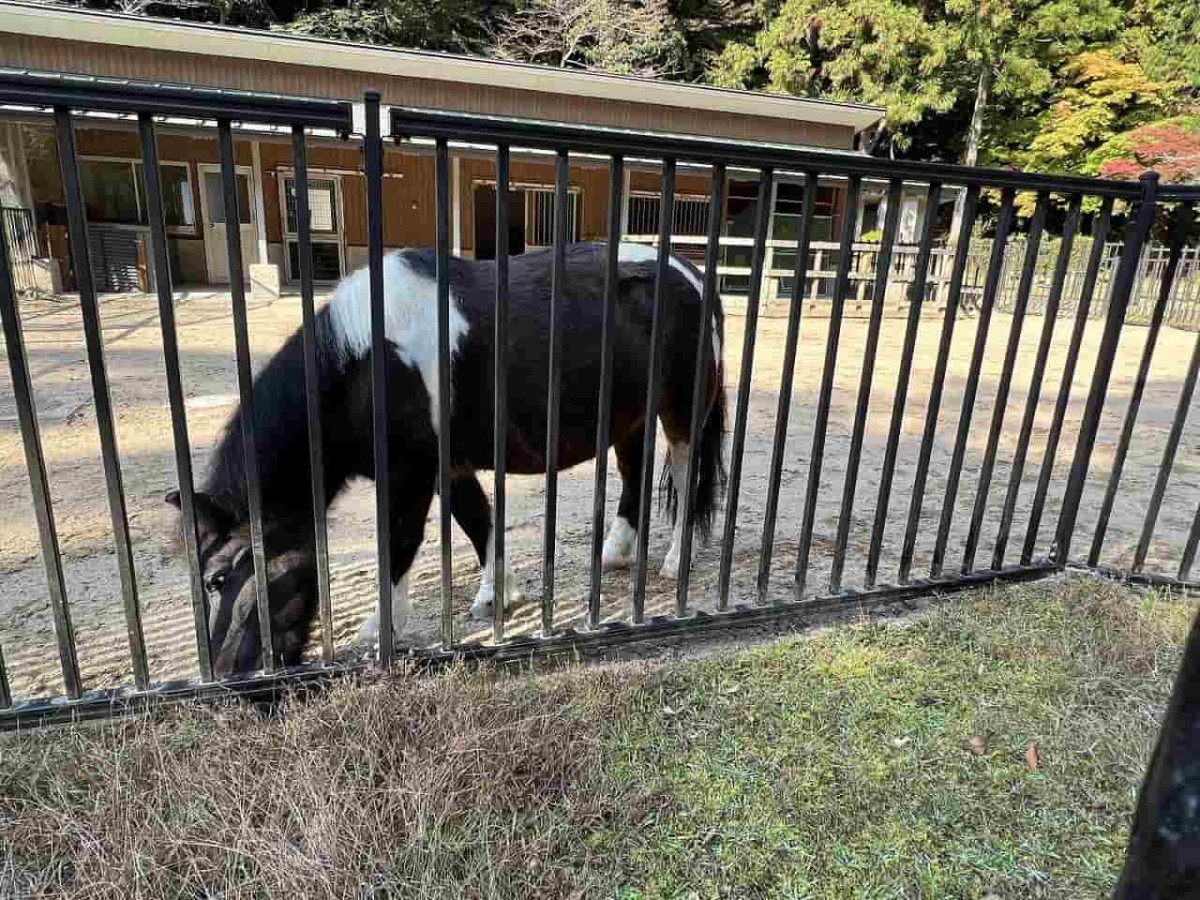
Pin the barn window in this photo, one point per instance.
(114, 193)
(690, 216)
(539, 216)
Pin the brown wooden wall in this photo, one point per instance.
(54, 55)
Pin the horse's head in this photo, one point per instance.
(227, 572)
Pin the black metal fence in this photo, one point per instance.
(1030, 556)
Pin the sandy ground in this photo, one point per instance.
(58, 362)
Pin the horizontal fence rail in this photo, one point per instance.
(851, 482)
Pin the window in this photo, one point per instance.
(114, 192)
(324, 216)
(214, 195)
(539, 217)
(322, 205)
(690, 215)
(110, 193)
(179, 206)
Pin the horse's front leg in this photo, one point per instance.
(473, 512)
(411, 495)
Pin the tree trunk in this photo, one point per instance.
(974, 132)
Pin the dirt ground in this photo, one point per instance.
(133, 345)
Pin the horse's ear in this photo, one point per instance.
(211, 518)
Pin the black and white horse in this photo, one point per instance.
(344, 374)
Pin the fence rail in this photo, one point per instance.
(1183, 308)
(1112, 281)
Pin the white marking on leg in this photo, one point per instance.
(618, 545)
(401, 606)
(679, 462)
(483, 606)
(368, 632)
(410, 322)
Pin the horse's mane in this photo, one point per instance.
(280, 431)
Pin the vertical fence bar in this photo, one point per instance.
(653, 386)
(442, 166)
(1136, 233)
(1000, 405)
(824, 400)
(500, 411)
(612, 250)
(1189, 552)
(762, 222)
(1087, 290)
(373, 169)
(995, 268)
(700, 399)
(179, 428)
(1178, 233)
(962, 255)
(312, 388)
(558, 275)
(883, 266)
(784, 404)
(916, 300)
(94, 338)
(5, 691)
(1049, 320)
(1168, 460)
(35, 464)
(248, 422)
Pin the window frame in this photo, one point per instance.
(143, 223)
(283, 174)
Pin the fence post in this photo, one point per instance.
(1122, 284)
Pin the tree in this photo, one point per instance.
(1105, 96)
(639, 38)
(1164, 36)
(449, 25)
(871, 51)
(1171, 147)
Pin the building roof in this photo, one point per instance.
(93, 26)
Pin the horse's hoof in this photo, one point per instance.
(670, 567)
(484, 605)
(368, 633)
(615, 562)
(482, 608)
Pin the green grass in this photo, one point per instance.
(825, 765)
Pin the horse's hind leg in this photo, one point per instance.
(620, 543)
(677, 459)
(473, 512)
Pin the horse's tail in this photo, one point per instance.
(710, 485)
(711, 475)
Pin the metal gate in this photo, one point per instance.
(1031, 555)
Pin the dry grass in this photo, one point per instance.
(449, 786)
(827, 765)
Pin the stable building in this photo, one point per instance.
(50, 39)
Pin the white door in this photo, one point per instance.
(212, 206)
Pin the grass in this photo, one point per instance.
(885, 760)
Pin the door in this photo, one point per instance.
(212, 207)
(325, 227)
(485, 222)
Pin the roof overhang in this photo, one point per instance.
(73, 24)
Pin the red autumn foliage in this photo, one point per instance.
(1170, 148)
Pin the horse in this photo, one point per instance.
(343, 342)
